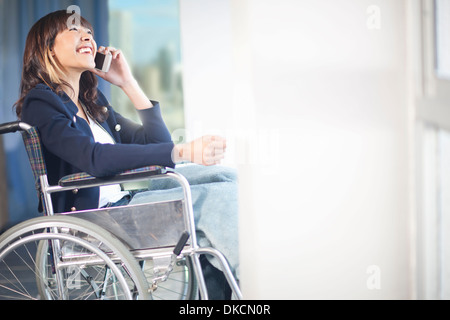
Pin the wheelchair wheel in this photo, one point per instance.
(62, 257)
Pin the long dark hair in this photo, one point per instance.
(40, 66)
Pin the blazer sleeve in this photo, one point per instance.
(152, 130)
(69, 137)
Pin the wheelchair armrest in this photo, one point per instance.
(83, 179)
(11, 127)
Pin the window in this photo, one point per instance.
(148, 33)
(442, 27)
(442, 73)
(433, 150)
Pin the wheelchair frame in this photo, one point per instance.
(183, 248)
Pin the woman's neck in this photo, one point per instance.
(73, 90)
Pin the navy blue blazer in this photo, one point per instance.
(69, 146)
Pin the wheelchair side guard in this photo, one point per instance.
(160, 224)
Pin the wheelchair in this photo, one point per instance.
(140, 252)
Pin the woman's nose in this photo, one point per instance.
(86, 36)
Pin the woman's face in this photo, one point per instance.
(75, 49)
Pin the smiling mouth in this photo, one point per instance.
(85, 50)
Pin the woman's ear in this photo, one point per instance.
(50, 47)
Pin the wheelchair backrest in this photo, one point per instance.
(33, 147)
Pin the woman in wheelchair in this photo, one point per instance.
(81, 132)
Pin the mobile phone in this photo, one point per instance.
(103, 61)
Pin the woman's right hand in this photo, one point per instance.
(119, 73)
(207, 151)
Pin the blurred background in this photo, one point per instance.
(337, 119)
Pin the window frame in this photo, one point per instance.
(433, 96)
(431, 100)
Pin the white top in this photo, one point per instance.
(111, 193)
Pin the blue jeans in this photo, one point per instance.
(215, 200)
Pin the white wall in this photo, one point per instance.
(312, 96)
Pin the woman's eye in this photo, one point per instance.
(77, 30)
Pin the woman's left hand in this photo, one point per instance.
(207, 150)
(119, 73)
